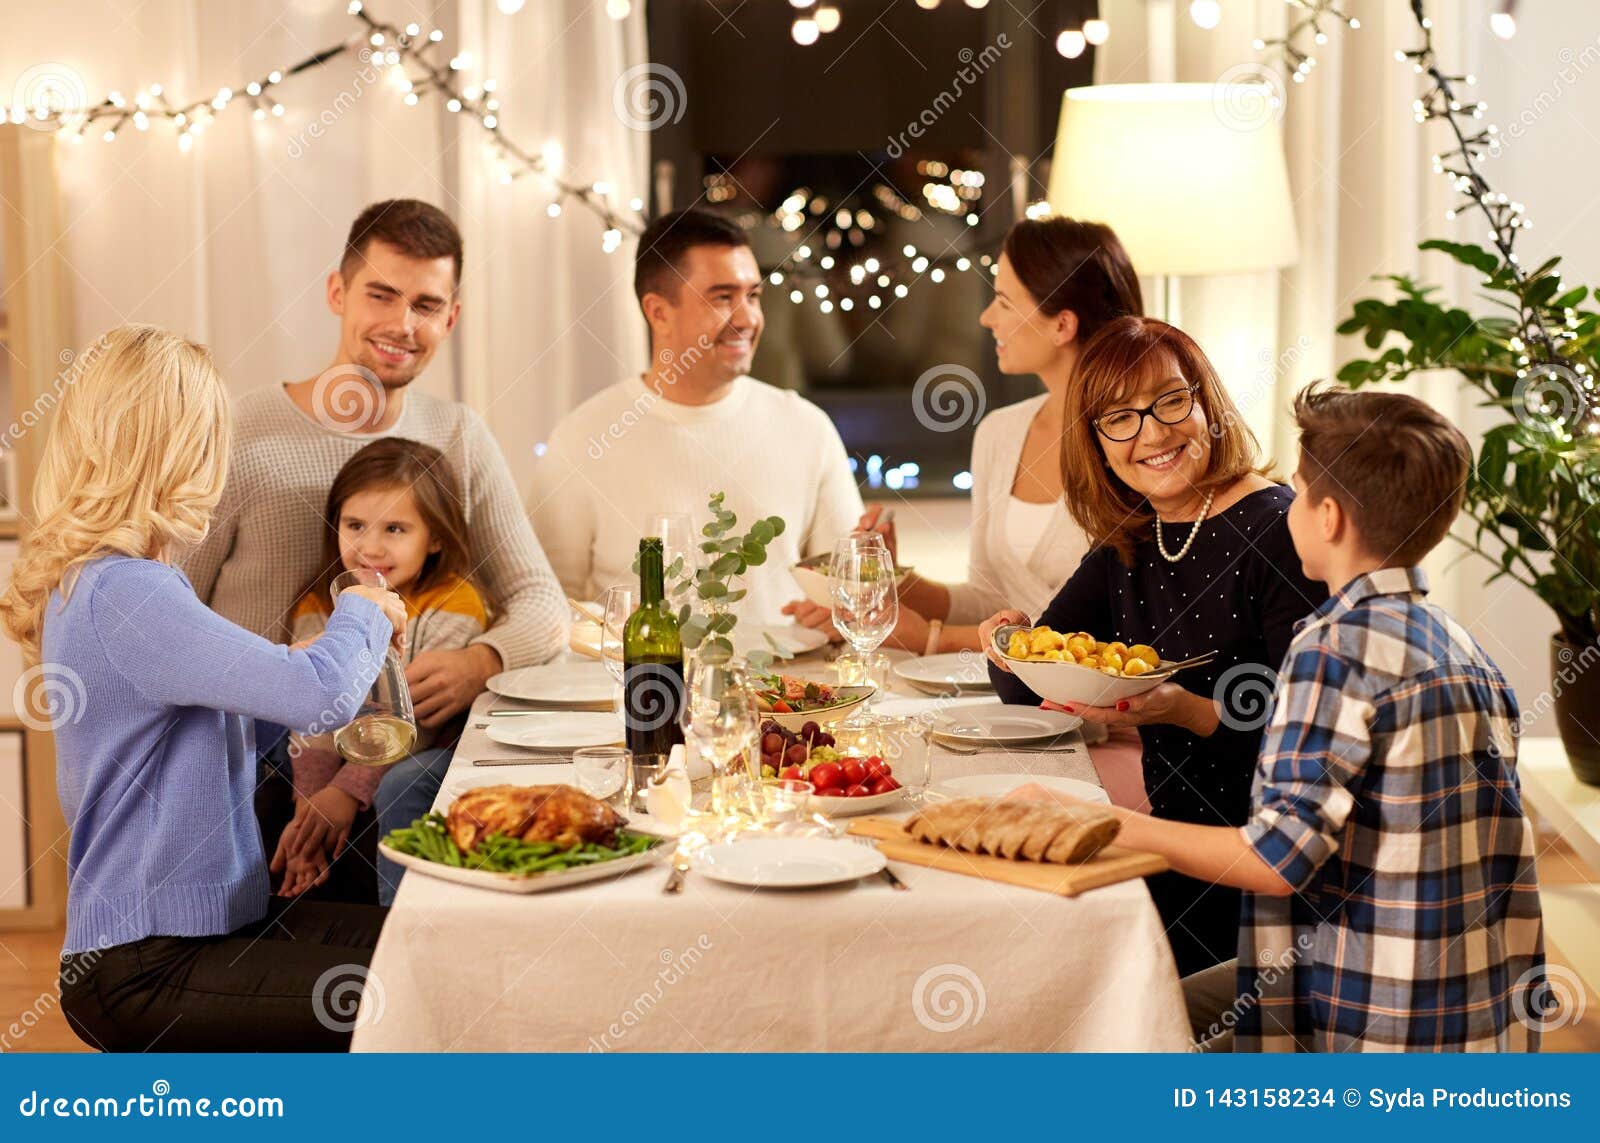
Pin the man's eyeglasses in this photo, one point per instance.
(1171, 408)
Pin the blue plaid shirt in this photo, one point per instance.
(1386, 795)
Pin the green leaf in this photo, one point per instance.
(734, 596)
(722, 624)
(711, 589)
(777, 524)
(755, 554)
(762, 532)
(692, 633)
(1465, 253)
(730, 564)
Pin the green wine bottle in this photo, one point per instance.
(652, 669)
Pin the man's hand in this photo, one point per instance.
(444, 683)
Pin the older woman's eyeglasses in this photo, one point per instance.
(1171, 408)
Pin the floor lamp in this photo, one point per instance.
(1191, 176)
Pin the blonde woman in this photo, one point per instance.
(172, 939)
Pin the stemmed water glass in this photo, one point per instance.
(619, 603)
(866, 604)
(720, 721)
(680, 552)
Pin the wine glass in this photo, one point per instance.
(619, 603)
(866, 604)
(680, 552)
(720, 721)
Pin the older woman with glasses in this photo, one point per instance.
(1191, 554)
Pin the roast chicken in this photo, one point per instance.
(1021, 830)
(558, 814)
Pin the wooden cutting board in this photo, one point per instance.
(1111, 865)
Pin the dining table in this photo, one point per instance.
(950, 963)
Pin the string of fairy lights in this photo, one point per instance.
(1311, 19)
(1538, 345)
(416, 66)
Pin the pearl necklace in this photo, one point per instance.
(1172, 557)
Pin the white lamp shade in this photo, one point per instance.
(1191, 176)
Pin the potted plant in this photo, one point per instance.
(1533, 498)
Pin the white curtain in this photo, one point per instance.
(231, 242)
(1361, 174)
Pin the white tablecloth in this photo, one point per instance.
(956, 964)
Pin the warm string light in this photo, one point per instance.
(1310, 18)
(409, 56)
(1537, 345)
(832, 267)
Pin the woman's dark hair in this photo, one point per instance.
(1079, 266)
(395, 462)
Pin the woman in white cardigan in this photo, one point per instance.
(1059, 282)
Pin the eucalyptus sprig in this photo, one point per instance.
(706, 621)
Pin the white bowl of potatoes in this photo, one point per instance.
(1075, 667)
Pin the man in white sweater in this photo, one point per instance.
(695, 423)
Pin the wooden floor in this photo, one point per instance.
(29, 1005)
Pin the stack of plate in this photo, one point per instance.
(960, 672)
(558, 686)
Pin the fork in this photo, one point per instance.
(886, 873)
(680, 867)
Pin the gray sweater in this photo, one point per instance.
(266, 535)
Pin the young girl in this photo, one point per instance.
(172, 940)
(394, 508)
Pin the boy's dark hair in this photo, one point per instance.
(416, 229)
(1395, 465)
(395, 462)
(657, 267)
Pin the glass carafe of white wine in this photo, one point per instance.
(385, 728)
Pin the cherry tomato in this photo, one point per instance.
(876, 767)
(857, 791)
(782, 707)
(881, 785)
(890, 782)
(791, 772)
(855, 772)
(827, 776)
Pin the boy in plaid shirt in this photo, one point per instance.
(1391, 902)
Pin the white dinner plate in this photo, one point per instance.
(942, 674)
(999, 785)
(787, 862)
(557, 684)
(557, 730)
(998, 723)
(527, 882)
(792, 639)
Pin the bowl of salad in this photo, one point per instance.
(793, 702)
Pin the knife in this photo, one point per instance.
(551, 761)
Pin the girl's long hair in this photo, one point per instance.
(395, 462)
(134, 465)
